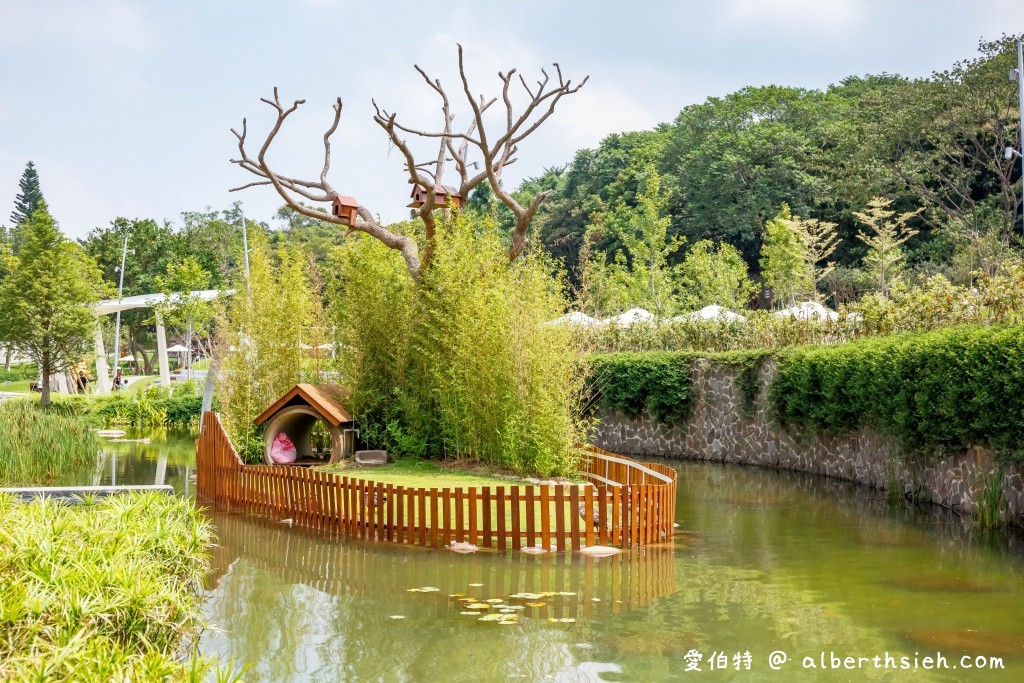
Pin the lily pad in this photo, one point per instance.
(490, 617)
(396, 616)
(494, 601)
(567, 620)
(478, 605)
(476, 585)
(536, 604)
(506, 610)
(527, 596)
(468, 614)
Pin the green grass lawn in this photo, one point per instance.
(21, 386)
(413, 473)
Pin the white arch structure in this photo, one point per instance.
(141, 301)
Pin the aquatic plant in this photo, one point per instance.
(106, 590)
(37, 445)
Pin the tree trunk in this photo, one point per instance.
(211, 378)
(44, 399)
(7, 359)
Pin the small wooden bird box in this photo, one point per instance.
(345, 208)
(444, 196)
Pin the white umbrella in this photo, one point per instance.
(633, 315)
(177, 348)
(127, 359)
(808, 310)
(575, 318)
(712, 312)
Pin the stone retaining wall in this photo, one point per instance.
(721, 429)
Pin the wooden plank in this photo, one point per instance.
(634, 517)
(486, 493)
(516, 531)
(574, 515)
(531, 522)
(400, 524)
(560, 518)
(390, 529)
(446, 522)
(499, 498)
(588, 520)
(616, 518)
(410, 514)
(474, 536)
(381, 508)
(459, 530)
(545, 517)
(433, 517)
(421, 496)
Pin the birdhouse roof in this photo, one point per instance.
(346, 201)
(326, 399)
(438, 189)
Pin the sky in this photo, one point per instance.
(126, 106)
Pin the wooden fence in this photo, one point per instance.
(625, 503)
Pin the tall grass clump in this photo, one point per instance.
(103, 591)
(38, 446)
(461, 364)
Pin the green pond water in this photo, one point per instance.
(764, 562)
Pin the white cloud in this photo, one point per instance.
(99, 24)
(596, 111)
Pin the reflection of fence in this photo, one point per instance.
(625, 504)
(618, 584)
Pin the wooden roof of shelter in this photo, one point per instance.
(326, 399)
(345, 200)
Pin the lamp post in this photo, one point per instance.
(117, 324)
(1018, 75)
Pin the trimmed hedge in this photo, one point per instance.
(662, 381)
(937, 391)
(942, 390)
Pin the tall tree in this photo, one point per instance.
(887, 232)
(784, 259)
(45, 299)
(26, 202)
(497, 149)
(182, 309)
(716, 276)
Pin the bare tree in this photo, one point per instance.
(497, 152)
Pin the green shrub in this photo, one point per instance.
(460, 364)
(630, 383)
(107, 590)
(940, 390)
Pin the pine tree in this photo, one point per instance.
(26, 203)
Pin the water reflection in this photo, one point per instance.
(764, 560)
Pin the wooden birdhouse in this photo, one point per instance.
(444, 196)
(345, 208)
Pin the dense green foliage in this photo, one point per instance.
(44, 299)
(154, 407)
(943, 390)
(939, 391)
(102, 591)
(660, 383)
(460, 364)
(730, 163)
(267, 332)
(37, 446)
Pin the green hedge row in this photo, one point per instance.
(943, 390)
(661, 381)
(946, 389)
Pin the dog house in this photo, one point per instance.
(296, 414)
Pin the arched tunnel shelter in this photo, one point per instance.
(297, 412)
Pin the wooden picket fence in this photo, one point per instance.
(626, 503)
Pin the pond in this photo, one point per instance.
(764, 561)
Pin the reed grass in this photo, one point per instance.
(103, 591)
(38, 446)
